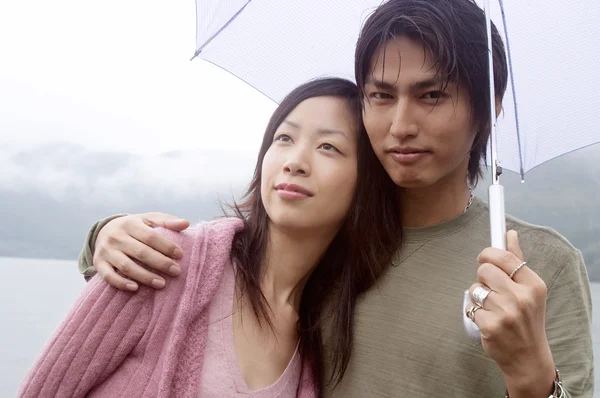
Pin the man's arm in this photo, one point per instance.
(85, 262)
(114, 244)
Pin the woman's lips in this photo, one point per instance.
(292, 191)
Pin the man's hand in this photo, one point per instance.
(133, 237)
(512, 320)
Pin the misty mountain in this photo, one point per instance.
(563, 194)
(51, 195)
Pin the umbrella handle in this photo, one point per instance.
(497, 216)
(496, 191)
(498, 240)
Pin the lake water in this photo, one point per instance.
(36, 294)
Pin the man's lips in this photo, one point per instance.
(292, 191)
(406, 155)
(405, 150)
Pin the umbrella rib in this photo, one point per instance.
(512, 83)
(207, 42)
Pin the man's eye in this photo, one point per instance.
(434, 95)
(380, 95)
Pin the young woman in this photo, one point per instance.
(318, 227)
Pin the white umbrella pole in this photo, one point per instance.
(495, 191)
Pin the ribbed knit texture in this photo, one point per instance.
(149, 343)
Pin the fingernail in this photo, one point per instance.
(174, 270)
(131, 286)
(178, 252)
(157, 283)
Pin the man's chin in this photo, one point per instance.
(410, 181)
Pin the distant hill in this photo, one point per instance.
(563, 194)
(51, 195)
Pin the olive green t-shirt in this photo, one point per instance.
(409, 337)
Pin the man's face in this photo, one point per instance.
(421, 132)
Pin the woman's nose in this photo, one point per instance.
(297, 165)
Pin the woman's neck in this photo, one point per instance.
(290, 258)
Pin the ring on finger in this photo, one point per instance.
(471, 312)
(480, 293)
(512, 274)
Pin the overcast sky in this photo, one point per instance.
(116, 75)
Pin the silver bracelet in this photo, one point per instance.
(559, 391)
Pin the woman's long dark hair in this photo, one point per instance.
(357, 256)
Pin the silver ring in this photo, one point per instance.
(480, 293)
(517, 269)
(471, 312)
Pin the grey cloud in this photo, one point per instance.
(63, 171)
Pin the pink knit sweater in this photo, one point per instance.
(144, 344)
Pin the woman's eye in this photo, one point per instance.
(283, 138)
(328, 147)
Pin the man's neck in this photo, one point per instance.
(422, 207)
(290, 259)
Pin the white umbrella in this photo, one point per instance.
(550, 107)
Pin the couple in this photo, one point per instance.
(337, 276)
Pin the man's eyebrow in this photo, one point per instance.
(381, 84)
(436, 81)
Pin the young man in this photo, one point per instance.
(422, 65)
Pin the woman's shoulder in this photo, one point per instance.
(217, 230)
(208, 241)
(223, 229)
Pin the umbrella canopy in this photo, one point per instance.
(550, 107)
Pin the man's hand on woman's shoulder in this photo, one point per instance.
(133, 237)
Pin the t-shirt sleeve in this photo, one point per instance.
(568, 324)
(98, 333)
(86, 257)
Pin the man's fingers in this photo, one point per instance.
(484, 320)
(472, 311)
(503, 259)
(512, 244)
(178, 224)
(156, 240)
(493, 277)
(110, 276)
(148, 256)
(165, 220)
(490, 300)
(135, 271)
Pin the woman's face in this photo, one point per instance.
(309, 172)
